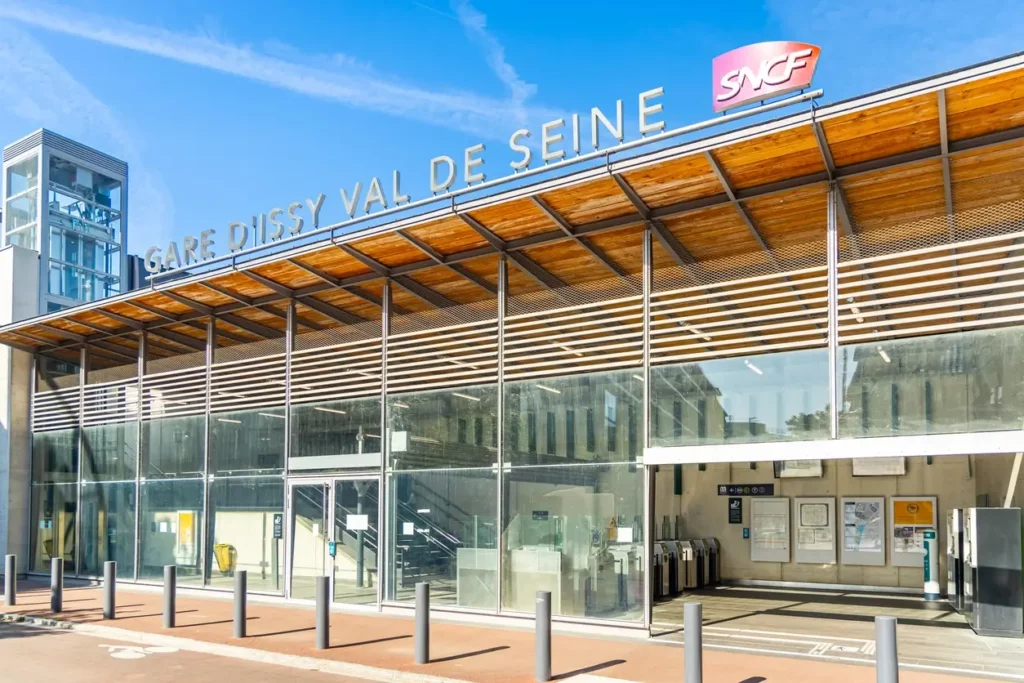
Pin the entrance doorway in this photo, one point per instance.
(333, 531)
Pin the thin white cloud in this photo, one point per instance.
(37, 89)
(337, 78)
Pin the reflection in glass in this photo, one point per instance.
(108, 528)
(109, 451)
(432, 428)
(590, 418)
(173, 447)
(242, 512)
(779, 396)
(962, 382)
(55, 456)
(247, 442)
(336, 434)
(356, 537)
(575, 530)
(171, 529)
(308, 538)
(53, 526)
(443, 532)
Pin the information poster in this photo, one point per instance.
(769, 532)
(862, 530)
(879, 467)
(785, 469)
(815, 530)
(911, 516)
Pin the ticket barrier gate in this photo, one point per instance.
(701, 560)
(661, 578)
(673, 567)
(714, 574)
(688, 565)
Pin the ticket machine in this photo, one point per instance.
(714, 562)
(993, 594)
(701, 553)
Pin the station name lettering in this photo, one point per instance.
(557, 141)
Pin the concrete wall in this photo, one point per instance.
(19, 286)
(705, 513)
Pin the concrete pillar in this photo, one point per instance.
(19, 299)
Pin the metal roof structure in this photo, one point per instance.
(739, 220)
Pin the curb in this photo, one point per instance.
(361, 671)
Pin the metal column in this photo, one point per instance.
(500, 426)
(83, 379)
(386, 523)
(211, 346)
(140, 372)
(648, 286)
(832, 242)
(289, 346)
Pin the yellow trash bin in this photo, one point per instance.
(226, 556)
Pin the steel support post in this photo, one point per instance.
(693, 642)
(10, 580)
(887, 668)
(323, 612)
(648, 486)
(211, 347)
(385, 569)
(170, 586)
(139, 474)
(500, 426)
(241, 586)
(832, 244)
(422, 622)
(56, 584)
(109, 589)
(542, 666)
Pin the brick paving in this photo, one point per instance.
(458, 650)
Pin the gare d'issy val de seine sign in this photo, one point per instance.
(741, 76)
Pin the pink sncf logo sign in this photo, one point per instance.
(762, 70)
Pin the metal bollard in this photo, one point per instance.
(109, 586)
(542, 668)
(887, 668)
(56, 584)
(241, 581)
(170, 586)
(323, 613)
(693, 654)
(10, 580)
(422, 623)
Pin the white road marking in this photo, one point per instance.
(136, 651)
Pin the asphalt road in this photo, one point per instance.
(29, 654)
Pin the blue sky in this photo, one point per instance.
(226, 109)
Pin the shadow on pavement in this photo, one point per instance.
(589, 669)
(12, 631)
(368, 642)
(468, 654)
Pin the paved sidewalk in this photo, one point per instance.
(459, 651)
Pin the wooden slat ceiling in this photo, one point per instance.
(772, 191)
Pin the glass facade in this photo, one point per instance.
(769, 397)
(242, 512)
(173, 447)
(171, 529)
(21, 212)
(335, 434)
(247, 443)
(109, 452)
(108, 528)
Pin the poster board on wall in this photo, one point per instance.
(815, 522)
(879, 467)
(862, 531)
(909, 516)
(785, 469)
(769, 529)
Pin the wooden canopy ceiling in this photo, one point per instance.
(928, 149)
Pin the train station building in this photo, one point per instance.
(794, 338)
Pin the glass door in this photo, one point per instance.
(308, 509)
(356, 541)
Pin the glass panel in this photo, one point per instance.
(309, 538)
(108, 528)
(772, 397)
(53, 526)
(575, 530)
(110, 451)
(22, 211)
(173, 447)
(333, 435)
(25, 238)
(356, 537)
(23, 175)
(95, 187)
(55, 455)
(242, 512)
(430, 429)
(248, 442)
(604, 410)
(962, 382)
(171, 529)
(444, 532)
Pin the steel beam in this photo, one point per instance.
(250, 326)
(569, 230)
(425, 293)
(440, 259)
(333, 312)
(178, 338)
